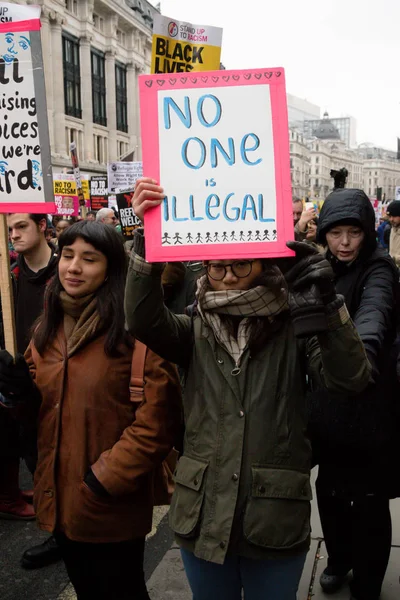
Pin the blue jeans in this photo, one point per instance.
(260, 579)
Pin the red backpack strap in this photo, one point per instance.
(136, 385)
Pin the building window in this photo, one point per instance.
(317, 159)
(72, 77)
(74, 135)
(317, 171)
(122, 149)
(99, 88)
(317, 182)
(72, 6)
(121, 37)
(98, 22)
(121, 96)
(100, 148)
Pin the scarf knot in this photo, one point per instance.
(81, 320)
(255, 302)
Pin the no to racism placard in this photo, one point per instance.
(26, 183)
(98, 192)
(218, 144)
(179, 47)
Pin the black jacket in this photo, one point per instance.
(352, 437)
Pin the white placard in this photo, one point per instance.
(245, 199)
(123, 175)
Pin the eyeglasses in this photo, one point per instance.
(240, 268)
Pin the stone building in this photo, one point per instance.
(299, 164)
(381, 173)
(328, 154)
(345, 126)
(93, 53)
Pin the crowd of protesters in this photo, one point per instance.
(255, 371)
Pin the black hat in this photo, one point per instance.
(347, 206)
(393, 210)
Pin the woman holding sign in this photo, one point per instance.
(99, 439)
(241, 507)
(353, 442)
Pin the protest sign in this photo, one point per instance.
(25, 165)
(77, 174)
(179, 47)
(397, 193)
(98, 192)
(72, 190)
(123, 175)
(128, 219)
(218, 144)
(377, 206)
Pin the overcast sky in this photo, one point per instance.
(339, 54)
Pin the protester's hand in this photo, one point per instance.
(15, 380)
(148, 194)
(306, 217)
(309, 281)
(311, 269)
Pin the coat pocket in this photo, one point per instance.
(187, 499)
(277, 514)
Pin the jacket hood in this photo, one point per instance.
(351, 206)
(42, 276)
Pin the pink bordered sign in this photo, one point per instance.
(218, 143)
(26, 182)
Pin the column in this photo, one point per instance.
(111, 106)
(58, 85)
(86, 95)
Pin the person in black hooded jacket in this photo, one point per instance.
(352, 441)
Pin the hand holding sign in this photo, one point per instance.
(147, 195)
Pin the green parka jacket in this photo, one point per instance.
(243, 484)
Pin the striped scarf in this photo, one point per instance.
(255, 302)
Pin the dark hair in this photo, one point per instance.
(110, 296)
(91, 212)
(38, 218)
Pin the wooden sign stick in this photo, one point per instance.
(6, 290)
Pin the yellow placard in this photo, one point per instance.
(68, 188)
(180, 47)
(170, 56)
(64, 188)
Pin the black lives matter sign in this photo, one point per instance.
(180, 47)
(24, 144)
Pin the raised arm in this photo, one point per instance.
(148, 319)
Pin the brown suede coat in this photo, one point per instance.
(89, 418)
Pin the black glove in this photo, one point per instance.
(15, 380)
(311, 288)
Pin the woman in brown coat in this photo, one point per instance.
(98, 442)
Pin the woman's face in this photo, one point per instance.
(82, 269)
(222, 277)
(60, 227)
(311, 235)
(345, 242)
